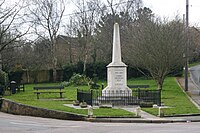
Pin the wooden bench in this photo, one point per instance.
(138, 86)
(48, 89)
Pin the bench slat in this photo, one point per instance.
(48, 92)
(43, 88)
(48, 87)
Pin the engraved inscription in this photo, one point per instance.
(119, 78)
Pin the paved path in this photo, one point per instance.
(195, 75)
(143, 114)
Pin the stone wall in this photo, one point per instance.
(11, 107)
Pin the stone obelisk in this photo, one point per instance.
(116, 70)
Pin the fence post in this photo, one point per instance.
(77, 94)
(139, 96)
(102, 86)
(91, 97)
(90, 111)
(160, 111)
(159, 97)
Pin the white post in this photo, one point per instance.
(160, 111)
(90, 111)
(138, 112)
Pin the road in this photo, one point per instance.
(26, 124)
(194, 90)
(195, 74)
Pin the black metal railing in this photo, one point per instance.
(149, 97)
(120, 98)
(117, 98)
(84, 96)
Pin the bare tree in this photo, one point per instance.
(158, 47)
(47, 16)
(10, 22)
(126, 6)
(87, 15)
(194, 47)
(70, 33)
(122, 12)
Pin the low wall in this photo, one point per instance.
(11, 107)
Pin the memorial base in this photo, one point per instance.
(111, 92)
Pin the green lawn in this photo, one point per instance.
(172, 96)
(46, 101)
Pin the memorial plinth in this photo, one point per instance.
(116, 70)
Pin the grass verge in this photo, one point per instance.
(176, 99)
(194, 64)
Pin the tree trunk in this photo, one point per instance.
(1, 62)
(54, 75)
(70, 52)
(160, 82)
(159, 86)
(84, 64)
(54, 69)
(94, 56)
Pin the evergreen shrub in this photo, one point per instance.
(16, 74)
(3, 81)
(78, 79)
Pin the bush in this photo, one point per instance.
(70, 69)
(16, 74)
(93, 84)
(68, 72)
(78, 79)
(3, 81)
(3, 78)
(65, 83)
(98, 68)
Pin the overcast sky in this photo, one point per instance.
(170, 8)
(163, 8)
